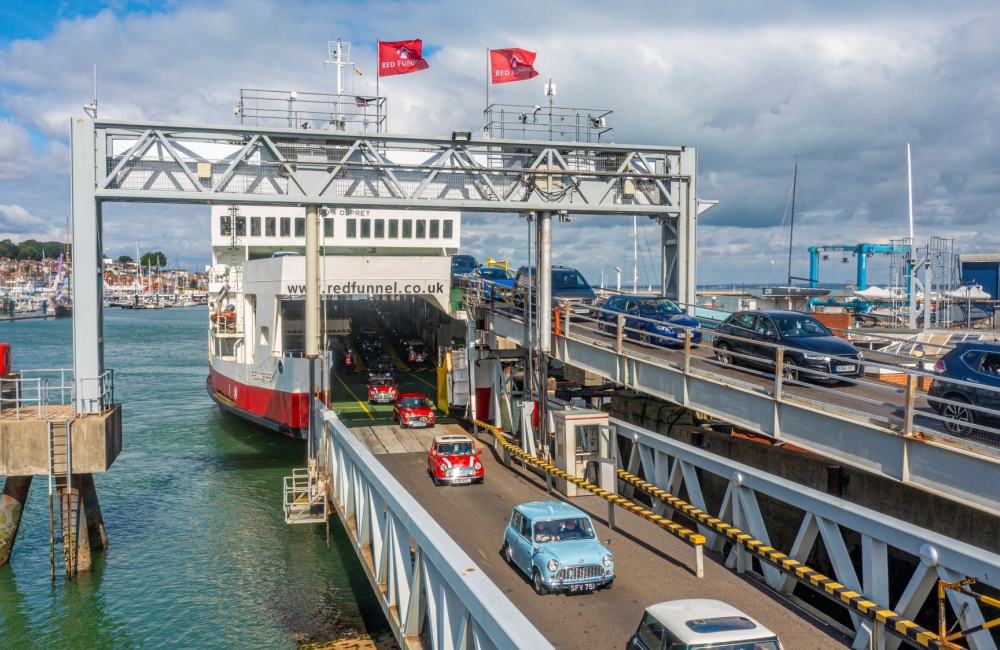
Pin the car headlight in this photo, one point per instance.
(662, 328)
(812, 356)
(608, 560)
(552, 565)
(443, 467)
(478, 466)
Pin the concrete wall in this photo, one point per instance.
(96, 443)
(878, 493)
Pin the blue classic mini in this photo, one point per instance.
(556, 546)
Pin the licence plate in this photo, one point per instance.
(587, 586)
(462, 480)
(682, 335)
(418, 424)
(846, 368)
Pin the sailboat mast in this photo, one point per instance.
(791, 232)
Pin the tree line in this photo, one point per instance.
(31, 249)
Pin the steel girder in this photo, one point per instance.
(434, 590)
(138, 161)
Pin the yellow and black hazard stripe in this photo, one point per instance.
(686, 535)
(854, 601)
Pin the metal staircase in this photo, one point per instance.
(63, 501)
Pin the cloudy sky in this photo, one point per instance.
(755, 86)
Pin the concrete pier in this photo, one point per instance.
(95, 520)
(15, 494)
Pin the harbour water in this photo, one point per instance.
(200, 556)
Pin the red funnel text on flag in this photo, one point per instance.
(511, 64)
(400, 57)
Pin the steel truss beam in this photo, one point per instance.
(191, 163)
(670, 465)
(428, 587)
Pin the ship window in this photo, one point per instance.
(435, 228)
(328, 227)
(225, 227)
(380, 228)
(263, 335)
(300, 226)
(286, 226)
(421, 228)
(446, 230)
(366, 227)
(407, 228)
(352, 227)
(241, 226)
(393, 228)
(255, 226)
(269, 227)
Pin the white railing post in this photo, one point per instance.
(911, 393)
(619, 336)
(779, 371)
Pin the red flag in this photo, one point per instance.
(511, 64)
(400, 57)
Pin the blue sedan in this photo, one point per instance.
(555, 545)
(496, 278)
(651, 319)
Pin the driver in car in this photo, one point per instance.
(569, 530)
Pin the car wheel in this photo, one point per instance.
(960, 417)
(789, 371)
(644, 337)
(437, 483)
(536, 582)
(507, 553)
(724, 354)
(480, 481)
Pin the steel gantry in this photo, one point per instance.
(200, 164)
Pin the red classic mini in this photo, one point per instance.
(413, 410)
(381, 391)
(454, 459)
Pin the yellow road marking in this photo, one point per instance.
(360, 403)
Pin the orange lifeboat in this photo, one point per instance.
(225, 317)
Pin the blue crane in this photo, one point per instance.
(861, 251)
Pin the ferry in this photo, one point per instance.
(258, 369)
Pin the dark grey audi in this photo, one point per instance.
(808, 344)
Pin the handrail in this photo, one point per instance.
(407, 556)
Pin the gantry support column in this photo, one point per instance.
(88, 272)
(15, 493)
(544, 318)
(95, 519)
(312, 281)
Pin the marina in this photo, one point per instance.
(362, 438)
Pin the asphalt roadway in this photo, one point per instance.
(651, 565)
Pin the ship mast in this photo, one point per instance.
(791, 232)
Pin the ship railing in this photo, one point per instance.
(303, 502)
(892, 396)
(24, 398)
(427, 585)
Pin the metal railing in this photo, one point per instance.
(104, 398)
(302, 501)
(19, 394)
(891, 395)
(670, 466)
(427, 585)
(558, 123)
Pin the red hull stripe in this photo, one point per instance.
(290, 409)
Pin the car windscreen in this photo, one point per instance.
(658, 306)
(494, 274)
(763, 644)
(456, 449)
(568, 279)
(799, 327)
(559, 530)
(415, 402)
(464, 261)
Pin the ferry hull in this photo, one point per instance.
(281, 411)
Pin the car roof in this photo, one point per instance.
(774, 312)
(541, 510)
(405, 395)
(675, 614)
(989, 345)
(452, 438)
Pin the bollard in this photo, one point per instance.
(548, 482)
(699, 560)
(611, 515)
(506, 458)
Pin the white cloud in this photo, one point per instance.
(843, 87)
(18, 224)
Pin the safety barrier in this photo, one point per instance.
(684, 534)
(854, 601)
(427, 585)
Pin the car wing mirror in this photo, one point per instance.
(479, 452)
(535, 548)
(771, 334)
(607, 542)
(684, 310)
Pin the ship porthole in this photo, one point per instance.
(281, 367)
